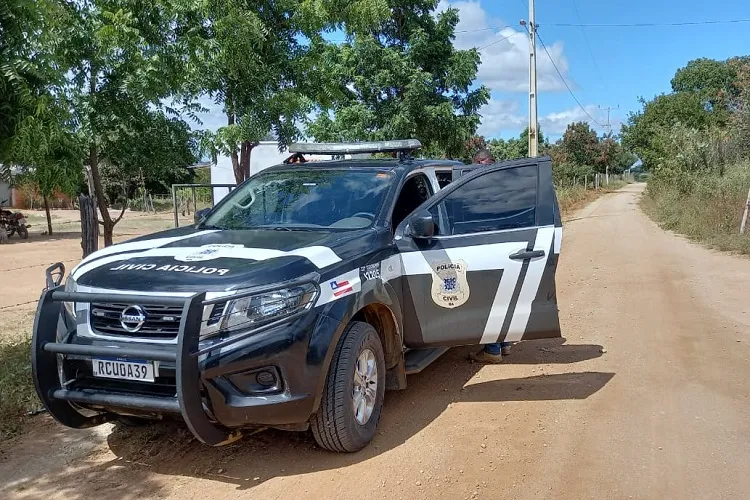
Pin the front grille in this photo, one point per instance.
(162, 322)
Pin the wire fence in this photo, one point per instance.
(594, 181)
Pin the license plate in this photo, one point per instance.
(142, 371)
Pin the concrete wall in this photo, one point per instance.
(5, 193)
(264, 155)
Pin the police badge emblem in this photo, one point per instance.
(206, 252)
(450, 287)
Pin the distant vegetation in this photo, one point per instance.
(695, 144)
(576, 157)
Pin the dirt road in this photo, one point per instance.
(647, 398)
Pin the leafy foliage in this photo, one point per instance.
(251, 59)
(516, 147)
(400, 78)
(707, 95)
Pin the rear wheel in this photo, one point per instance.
(11, 231)
(353, 395)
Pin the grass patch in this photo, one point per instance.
(576, 197)
(17, 393)
(707, 209)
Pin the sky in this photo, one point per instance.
(605, 66)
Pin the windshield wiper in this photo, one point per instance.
(285, 228)
(208, 226)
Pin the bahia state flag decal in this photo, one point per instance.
(340, 288)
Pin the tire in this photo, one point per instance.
(23, 233)
(11, 231)
(336, 426)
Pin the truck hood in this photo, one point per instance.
(192, 260)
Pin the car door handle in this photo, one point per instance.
(527, 254)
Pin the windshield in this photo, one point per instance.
(304, 199)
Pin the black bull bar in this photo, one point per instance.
(57, 399)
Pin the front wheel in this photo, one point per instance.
(353, 395)
(23, 233)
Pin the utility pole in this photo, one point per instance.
(533, 121)
(608, 109)
(609, 133)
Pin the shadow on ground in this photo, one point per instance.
(168, 449)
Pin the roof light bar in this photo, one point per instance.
(342, 148)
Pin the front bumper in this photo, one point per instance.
(209, 383)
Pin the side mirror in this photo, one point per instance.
(201, 214)
(422, 226)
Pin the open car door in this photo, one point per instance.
(479, 258)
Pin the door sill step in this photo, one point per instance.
(417, 360)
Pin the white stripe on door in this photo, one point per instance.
(530, 286)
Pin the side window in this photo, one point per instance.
(444, 178)
(416, 190)
(503, 199)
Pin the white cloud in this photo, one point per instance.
(500, 115)
(556, 123)
(505, 53)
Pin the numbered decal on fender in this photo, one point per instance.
(450, 288)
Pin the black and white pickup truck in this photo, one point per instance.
(303, 295)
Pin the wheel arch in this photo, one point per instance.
(383, 320)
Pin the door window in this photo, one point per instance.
(416, 190)
(479, 206)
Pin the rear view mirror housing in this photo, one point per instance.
(422, 226)
(201, 214)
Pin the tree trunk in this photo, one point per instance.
(96, 179)
(89, 225)
(49, 217)
(245, 152)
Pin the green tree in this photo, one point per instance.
(151, 156)
(401, 77)
(255, 59)
(644, 131)
(123, 59)
(580, 144)
(513, 148)
(714, 82)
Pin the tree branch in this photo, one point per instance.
(122, 212)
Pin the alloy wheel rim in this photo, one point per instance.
(365, 387)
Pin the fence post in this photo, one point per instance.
(89, 225)
(744, 214)
(585, 182)
(174, 206)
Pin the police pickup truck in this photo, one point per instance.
(303, 295)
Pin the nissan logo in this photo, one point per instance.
(132, 318)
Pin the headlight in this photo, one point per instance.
(70, 286)
(257, 310)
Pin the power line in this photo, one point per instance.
(565, 82)
(588, 46)
(498, 41)
(641, 25)
(489, 28)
